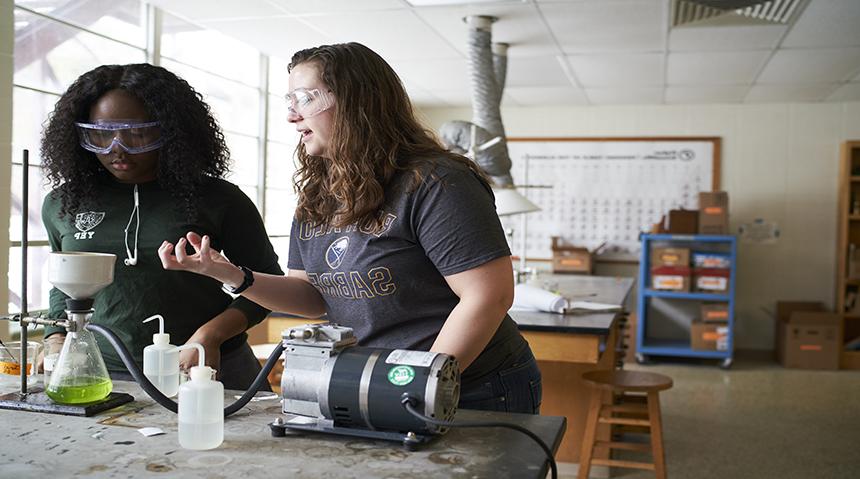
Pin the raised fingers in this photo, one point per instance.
(165, 255)
(179, 251)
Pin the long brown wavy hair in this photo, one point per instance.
(375, 134)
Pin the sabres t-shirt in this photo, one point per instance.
(388, 283)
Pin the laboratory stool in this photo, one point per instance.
(639, 410)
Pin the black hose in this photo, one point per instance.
(165, 401)
(261, 379)
(128, 360)
(410, 402)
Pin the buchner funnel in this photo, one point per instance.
(80, 275)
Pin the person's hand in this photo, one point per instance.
(188, 357)
(205, 260)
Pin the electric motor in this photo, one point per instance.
(328, 378)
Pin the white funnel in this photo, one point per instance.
(80, 275)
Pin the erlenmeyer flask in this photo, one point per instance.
(80, 375)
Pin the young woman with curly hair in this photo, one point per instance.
(393, 236)
(135, 156)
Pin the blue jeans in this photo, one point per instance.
(514, 388)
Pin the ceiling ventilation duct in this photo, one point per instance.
(733, 12)
(483, 139)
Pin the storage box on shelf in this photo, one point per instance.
(713, 213)
(848, 258)
(682, 314)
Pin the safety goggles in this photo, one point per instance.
(308, 103)
(133, 137)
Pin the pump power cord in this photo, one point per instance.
(410, 403)
(165, 401)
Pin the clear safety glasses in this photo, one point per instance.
(133, 137)
(308, 103)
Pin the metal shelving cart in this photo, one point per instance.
(646, 345)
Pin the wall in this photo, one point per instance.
(7, 42)
(779, 162)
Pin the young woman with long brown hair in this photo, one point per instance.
(393, 235)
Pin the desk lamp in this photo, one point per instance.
(509, 202)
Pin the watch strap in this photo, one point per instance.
(247, 281)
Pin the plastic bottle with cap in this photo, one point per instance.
(161, 360)
(201, 406)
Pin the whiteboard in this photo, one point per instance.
(599, 190)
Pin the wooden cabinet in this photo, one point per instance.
(848, 252)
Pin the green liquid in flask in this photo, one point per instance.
(86, 390)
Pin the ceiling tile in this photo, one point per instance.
(625, 96)
(526, 72)
(847, 92)
(279, 37)
(547, 96)
(608, 25)
(435, 75)
(420, 96)
(715, 68)
(333, 6)
(788, 93)
(614, 47)
(518, 25)
(826, 65)
(454, 98)
(830, 23)
(706, 94)
(394, 34)
(202, 10)
(724, 37)
(619, 69)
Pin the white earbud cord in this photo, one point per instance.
(131, 260)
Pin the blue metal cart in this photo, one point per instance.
(650, 346)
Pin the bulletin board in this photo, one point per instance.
(596, 190)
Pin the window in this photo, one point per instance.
(58, 40)
(280, 161)
(55, 42)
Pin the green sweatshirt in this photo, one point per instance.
(186, 300)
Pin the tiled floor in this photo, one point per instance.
(757, 420)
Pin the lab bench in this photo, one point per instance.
(42, 446)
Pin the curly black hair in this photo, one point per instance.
(194, 149)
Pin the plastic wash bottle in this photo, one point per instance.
(201, 406)
(161, 361)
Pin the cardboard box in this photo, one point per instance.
(670, 257)
(709, 336)
(571, 259)
(683, 222)
(810, 340)
(714, 312)
(703, 259)
(711, 280)
(671, 278)
(713, 213)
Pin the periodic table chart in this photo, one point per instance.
(604, 190)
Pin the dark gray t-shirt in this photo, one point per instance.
(388, 284)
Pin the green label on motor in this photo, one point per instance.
(401, 375)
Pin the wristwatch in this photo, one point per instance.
(247, 281)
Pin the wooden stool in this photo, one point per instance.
(643, 414)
